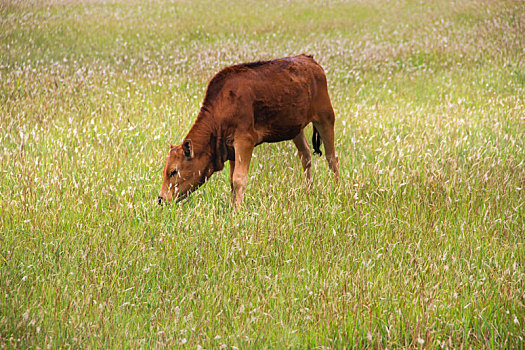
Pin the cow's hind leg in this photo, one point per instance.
(243, 156)
(325, 126)
(232, 169)
(304, 153)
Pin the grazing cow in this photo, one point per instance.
(246, 105)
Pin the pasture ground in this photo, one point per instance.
(422, 244)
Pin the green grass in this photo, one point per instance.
(421, 245)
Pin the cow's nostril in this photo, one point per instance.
(159, 200)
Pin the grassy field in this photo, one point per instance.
(421, 245)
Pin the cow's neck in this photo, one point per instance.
(201, 132)
(208, 142)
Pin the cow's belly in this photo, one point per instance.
(280, 124)
(282, 134)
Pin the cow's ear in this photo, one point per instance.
(187, 148)
(171, 146)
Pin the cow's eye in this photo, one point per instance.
(173, 173)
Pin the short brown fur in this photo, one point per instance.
(244, 106)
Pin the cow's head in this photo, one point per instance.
(184, 172)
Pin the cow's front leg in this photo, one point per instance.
(239, 179)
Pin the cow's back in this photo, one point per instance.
(274, 100)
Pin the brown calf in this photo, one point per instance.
(246, 105)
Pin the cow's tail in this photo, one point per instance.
(316, 141)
